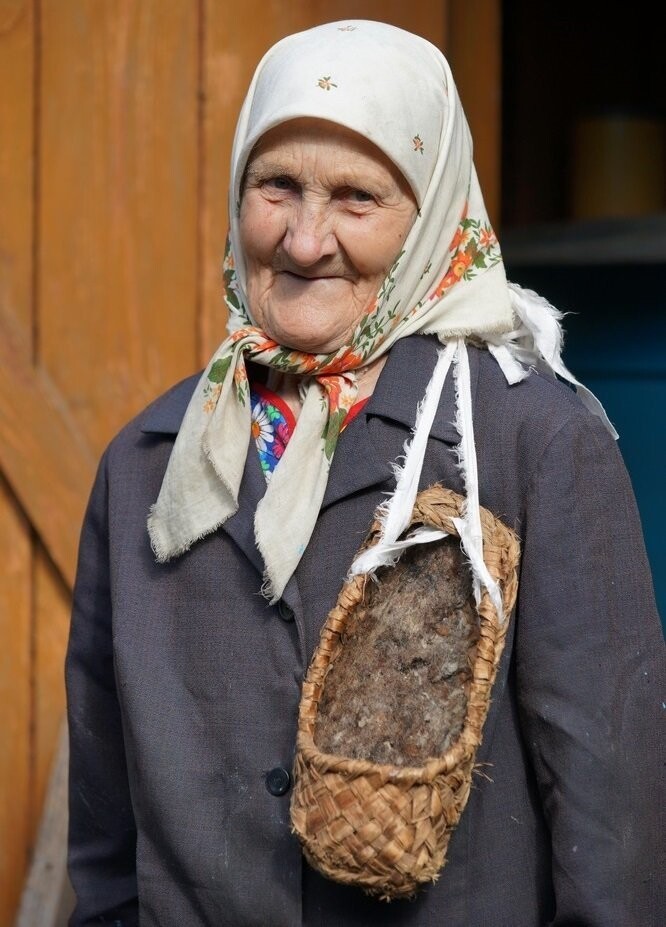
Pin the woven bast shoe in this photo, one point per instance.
(393, 707)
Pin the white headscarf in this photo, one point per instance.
(396, 90)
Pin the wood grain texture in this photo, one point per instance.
(46, 899)
(118, 179)
(16, 237)
(16, 157)
(475, 56)
(51, 612)
(15, 699)
(42, 453)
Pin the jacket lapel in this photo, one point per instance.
(164, 417)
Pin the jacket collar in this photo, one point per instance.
(403, 383)
(165, 414)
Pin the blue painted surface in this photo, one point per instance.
(616, 345)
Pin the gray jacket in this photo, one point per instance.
(183, 684)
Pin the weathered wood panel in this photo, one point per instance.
(51, 600)
(118, 203)
(16, 237)
(475, 56)
(46, 900)
(15, 700)
(43, 454)
(16, 158)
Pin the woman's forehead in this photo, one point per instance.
(306, 144)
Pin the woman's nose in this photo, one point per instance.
(309, 236)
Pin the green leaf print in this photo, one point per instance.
(332, 432)
(231, 298)
(218, 371)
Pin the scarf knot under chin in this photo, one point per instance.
(202, 482)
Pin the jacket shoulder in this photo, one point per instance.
(164, 414)
(155, 425)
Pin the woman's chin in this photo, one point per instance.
(308, 335)
(309, 344)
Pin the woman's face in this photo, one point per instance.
(323, 216)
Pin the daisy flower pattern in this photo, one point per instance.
(272, 425)
(262, 432)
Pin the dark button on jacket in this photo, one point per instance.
(278, 781)
(285, 611)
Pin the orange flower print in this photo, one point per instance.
(460, 239)
(212, 394)
(238, 335)
(333, 389)
(460, 263)
(417, 143)
(326, 83)
(447, 280)
(487, 237)
(303, 363)
(349, 360)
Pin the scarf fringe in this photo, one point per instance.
(536, 344)
(163, 550)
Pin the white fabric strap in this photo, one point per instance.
(469, 527)
(396, 512)
(368, 561)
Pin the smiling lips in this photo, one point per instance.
(310, 278)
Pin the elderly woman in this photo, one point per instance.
(358, 246)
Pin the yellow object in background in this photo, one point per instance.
(619, 166)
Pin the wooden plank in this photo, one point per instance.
(117, 282)
(16, 156)
(47, 898)
(51, 614)
(118, 179)
(475, 56)
(16, 228)
(15, 700)
(42, 453)
(230, 54)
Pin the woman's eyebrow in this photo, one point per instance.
(339, 179)
(263, 170)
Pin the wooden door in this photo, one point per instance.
(116, 120)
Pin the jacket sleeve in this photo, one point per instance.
(102, 834)
(590, 659)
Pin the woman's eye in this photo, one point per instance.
(280, 183)
(361, 196)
